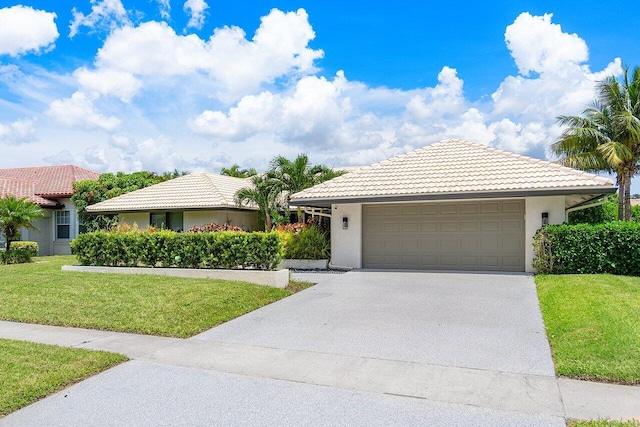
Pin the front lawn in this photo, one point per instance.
(593, 325)
(171, 306)
(30, 371)
(603, 423)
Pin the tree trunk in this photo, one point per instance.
(299, 214)
(627, 196)
(267, 220)
(621, 191)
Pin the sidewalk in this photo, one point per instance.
(530, 394)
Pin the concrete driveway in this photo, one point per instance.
(484, 321)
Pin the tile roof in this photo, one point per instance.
(20, 188)
(42, 183)
(51, 181)
(199, 190)
(452, 167)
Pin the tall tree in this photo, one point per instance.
(16, 214)
(265, 193)
(607, 136)
(236, 172)
(298, 174)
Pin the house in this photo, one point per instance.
(51, 188)
(181, 203)
(452, 205)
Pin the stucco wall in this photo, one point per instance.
(346, 245)
(141, 219)
(534, 207)
(247, 220)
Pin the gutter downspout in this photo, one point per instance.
(584, 206)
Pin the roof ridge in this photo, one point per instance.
(213, 187)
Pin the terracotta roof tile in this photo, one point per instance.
(51, 181)
(20, 188)
(452, 166)
(200, 190)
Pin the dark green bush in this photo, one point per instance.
(15, 256)
(612, 247)
(31, 247)
(185, 250)
(308, 243)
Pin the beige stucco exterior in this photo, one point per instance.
(247, 220)
(346, 244)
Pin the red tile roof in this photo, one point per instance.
(42, 183)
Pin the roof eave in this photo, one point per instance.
(327, 202)
(112, 211)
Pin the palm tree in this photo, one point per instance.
(607, 136)
(266, 194)
(236, 172)
(16, 214)
(297, 175)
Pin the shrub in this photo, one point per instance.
(31, 247)
(612, 247)
(308, 243)
(213, 227)
(167, 248)
(15, 256)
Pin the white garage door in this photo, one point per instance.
(484, 235)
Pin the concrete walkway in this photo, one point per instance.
(383, 388)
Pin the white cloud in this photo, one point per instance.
(538, 45)
(165, 8)
(107, 81)
(195, 9)
(79, 110)
(18, 132)
(446, 98)
(314, 113)
(24, 29)
(105, 15)
(278, 49)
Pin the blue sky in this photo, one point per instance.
(201, 84)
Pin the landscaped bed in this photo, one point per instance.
(31, 371)
(40, 292)
(593, 325)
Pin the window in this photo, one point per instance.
(63, 224)
(167, 220)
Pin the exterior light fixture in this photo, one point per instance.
(345, 222)
(545, 218)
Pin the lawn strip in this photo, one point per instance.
(30, 371)
(157, 305)
(593, 325)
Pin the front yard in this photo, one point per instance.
(593, 325)
(30, 371)
(41, 293)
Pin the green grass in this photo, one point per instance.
(170, 306)
(603, 423)
(30, 371)
(593, 325)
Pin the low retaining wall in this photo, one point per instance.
(276, 278)
(305, 264)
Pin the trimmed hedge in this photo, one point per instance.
(31, 247)
(184, 250)
(15, 256)
(612, 248)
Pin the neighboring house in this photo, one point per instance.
(453, 205)
(51, 188)
(181, 203)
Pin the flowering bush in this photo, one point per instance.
(213, 227)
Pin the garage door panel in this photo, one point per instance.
(487, 235)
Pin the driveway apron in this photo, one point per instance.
(484, 321)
